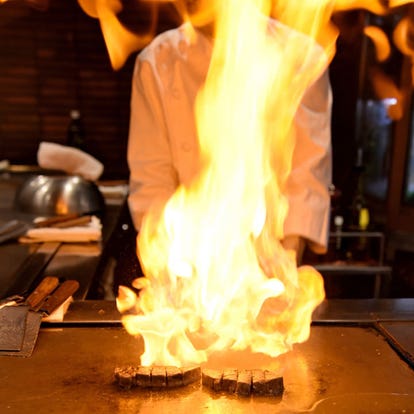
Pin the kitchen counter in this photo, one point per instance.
(359, 357)
(345, 367)
(24, 265)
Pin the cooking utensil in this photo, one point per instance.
(12, 229)
(63, 292)
(23, 322)
(14, 311)
(49, 195)
(45, 287)
(12, 327)
(79, 221)
(61, 222)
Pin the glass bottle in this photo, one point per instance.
(359, 208)
(76, 132)
(360, 218)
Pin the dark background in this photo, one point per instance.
(54, 59)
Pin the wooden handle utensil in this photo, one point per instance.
(45, 288)
(64, 291)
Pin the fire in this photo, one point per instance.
(380, 40)
(217, 276)
(205, 253)
(120, 42)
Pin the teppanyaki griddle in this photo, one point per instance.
(340, 369)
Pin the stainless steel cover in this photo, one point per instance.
(49, 195)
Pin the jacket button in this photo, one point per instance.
(186, 146)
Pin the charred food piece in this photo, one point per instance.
(156, 376)
(244, 382)
(273, 383)
(191, 374)
(211, 378)
(143, 377)
(229, 380)
(125, 377)
(258, 382)
(174, 377)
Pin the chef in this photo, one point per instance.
(163, 148)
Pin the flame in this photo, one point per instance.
(383, 85)
(404, 37)
(385, 88)
(217, 276)
(398, 3)
(203, 254)
(374, 6)
(119, 41)
(380, 40)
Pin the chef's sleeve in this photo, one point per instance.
(152, 175)
(308, 184)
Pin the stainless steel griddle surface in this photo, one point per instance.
(340, 369)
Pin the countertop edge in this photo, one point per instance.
(97, 312)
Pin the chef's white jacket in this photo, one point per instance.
(163, 149)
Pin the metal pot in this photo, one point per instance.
(50, 195)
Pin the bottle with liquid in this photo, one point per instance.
(359, 207)
(360, 218)
(76, 132)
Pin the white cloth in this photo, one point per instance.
(163, 149)
(89, 233)
(70, 160)
(58, 314)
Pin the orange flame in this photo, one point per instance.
(380, 40)
(204, 252)
(398, 3)
(206, 289)
(119, 41)
(374, 6)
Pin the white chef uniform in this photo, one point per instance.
(163, 149)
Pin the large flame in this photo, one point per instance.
(205, 287)
(217, 276)
(120, 42)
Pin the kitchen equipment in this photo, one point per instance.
(50, 195)
(65, 221)
(346, 366)
(12, 229)
(46, 286)
(14, 313)
(12, 326)
(63, 292)
(21, 318)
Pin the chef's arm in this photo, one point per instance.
(152, 176)
(307, 187)
(295, 243)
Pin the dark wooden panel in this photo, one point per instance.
(55, 60)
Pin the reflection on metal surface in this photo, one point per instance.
(31, 261)
(50, 195)
(378, 403)
(339, 370)
(401, 337)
